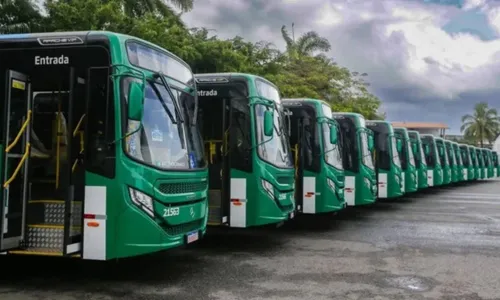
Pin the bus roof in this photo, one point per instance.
(83, 35)
(230, 75)
(350, 114)
(306, 99)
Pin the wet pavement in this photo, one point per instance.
(444, 244)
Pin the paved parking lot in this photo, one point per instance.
(441, 245)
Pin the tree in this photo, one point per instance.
(18, 16)
(137, 8)
(304, 70)
(483, 124)
(306, 45)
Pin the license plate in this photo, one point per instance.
(192, 237)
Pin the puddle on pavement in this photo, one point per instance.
(411, 283)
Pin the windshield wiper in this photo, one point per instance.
(169, 91)
(165, 107)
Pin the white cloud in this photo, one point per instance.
(398, 43)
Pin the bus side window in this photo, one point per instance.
(100, 124)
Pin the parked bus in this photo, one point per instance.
(475, 162)
(433, 159)
(480, 163)
(319, 174)
(452, 160)
(403, 144)
(461, 169)
(487, 162)
(468, 162)
(445, 160)
(420, 162)
(251, 174)
(119, 171)
(496, 165)
(359, 170)
(390, 178)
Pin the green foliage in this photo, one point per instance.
(303, 70)
(483, 125)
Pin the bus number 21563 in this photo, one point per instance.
(170, 212)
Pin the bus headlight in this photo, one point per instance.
(331, 184)
(368, 183)
(268, 187)
(142, 201)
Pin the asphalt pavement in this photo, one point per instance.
(444, 244)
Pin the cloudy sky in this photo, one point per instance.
(428, 60)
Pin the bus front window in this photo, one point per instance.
(159, 142)
(410, 153)
(395, 155)
(365, 151)
(422, 154)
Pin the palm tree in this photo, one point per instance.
(307, 44)
(482, 125)
(18, 16)
(139, 8)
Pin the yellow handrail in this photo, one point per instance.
(77, 128)
(18, 168)
(58, 141)
(23, 128)
(82, 148)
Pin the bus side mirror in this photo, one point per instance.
(333, 134)
(268, 123)
(399, 145)
(370, 142)
(135, 101)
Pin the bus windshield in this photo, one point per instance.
(465, 156)
(411, 158)
(275, 149)
(365, 151)
(422, 154)
(333, 156)
(160, 142)
(395, 155)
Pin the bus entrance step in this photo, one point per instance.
(44, 236)
(214, 215)
(40, 252)
(51, 212)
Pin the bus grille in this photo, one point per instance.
(183, 187)
(174, 230)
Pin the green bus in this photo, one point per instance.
(408, 163)
(487, 162)
(496, 165)
(468, 162)
(461, 169)
(420, 162)
(251, 173)
(120, 169)
(445, 160)
(356, 143)
(475, 162)
(319, 174)
(433, 159)
(390, 177)
(454, 167)
(480, 163)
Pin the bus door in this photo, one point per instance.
(56, 179)
(215, 125)
(297, 145)
(15, 152)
